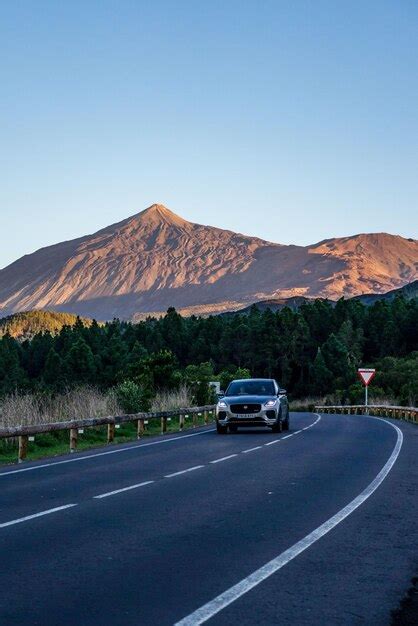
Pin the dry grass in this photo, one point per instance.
(80, 403)
(307, 404)
(169, 400)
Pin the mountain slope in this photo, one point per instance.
(156, 259)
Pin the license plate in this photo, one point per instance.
(244, 416)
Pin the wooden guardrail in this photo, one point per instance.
(73, 426)
(407, 413)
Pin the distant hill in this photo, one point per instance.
(276, 304)
(409, 292)
(156, 259)
(26, 325)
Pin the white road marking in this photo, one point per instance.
(112, 493)
(224, 458)
(226, 598)
(41, 514)
(313, 423)
(251, 449)
(141, 445)
(287, 437)
(190, 469)
(93, 456)
(270, 443)
(297, 432)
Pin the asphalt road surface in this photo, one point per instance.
(315, 526)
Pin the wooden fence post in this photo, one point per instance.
(206, 417)
(164, 424)
(110, 433)
(181, 421)
(140, 428)
(23, 448)
(194, 420)
(73, 439)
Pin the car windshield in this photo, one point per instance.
(251, 388)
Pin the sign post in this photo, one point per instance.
(366, 375)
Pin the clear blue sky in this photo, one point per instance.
(290, 120)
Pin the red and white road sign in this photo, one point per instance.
(366, 375)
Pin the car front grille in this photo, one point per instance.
(244, 409)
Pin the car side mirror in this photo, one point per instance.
(221, 394)
(282, 392)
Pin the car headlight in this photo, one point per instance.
(222, 405)
(271, 403)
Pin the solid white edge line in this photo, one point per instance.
(287, 437)
(41, 514)
(189, 469)
(224, 458)
(270, 443)
(93, 456)
(297, 432)
(112, 493)
(251, 449)
(226, 598)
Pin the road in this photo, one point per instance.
(250, 528)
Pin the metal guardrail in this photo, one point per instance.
(73, 426)
(407, 413)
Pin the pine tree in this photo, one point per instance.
(53, 371)
(321, 376)
(80, 364)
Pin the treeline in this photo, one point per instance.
(313, 351)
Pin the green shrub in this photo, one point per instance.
(131, 397)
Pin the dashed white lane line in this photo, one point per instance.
(189, 469)
(98, 454)
(251, 449)
(130, 487)
(224, 458)
(211, 608)
(112, 493)
(41, 514)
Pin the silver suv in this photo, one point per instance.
(252, 402)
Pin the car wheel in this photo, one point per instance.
(277, 428)
(286, 424)
(221, 430)
(233, 429)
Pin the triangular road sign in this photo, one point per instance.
(366, 375)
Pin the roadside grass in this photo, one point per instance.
(307, 405)
(58, 443)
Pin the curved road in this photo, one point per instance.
(251, 528)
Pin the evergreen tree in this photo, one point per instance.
(321, 376)
(80, 364)
(53, 374)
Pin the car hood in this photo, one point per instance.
(247, 399)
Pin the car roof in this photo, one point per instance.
(245, 380)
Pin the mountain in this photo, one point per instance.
(156, 259)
